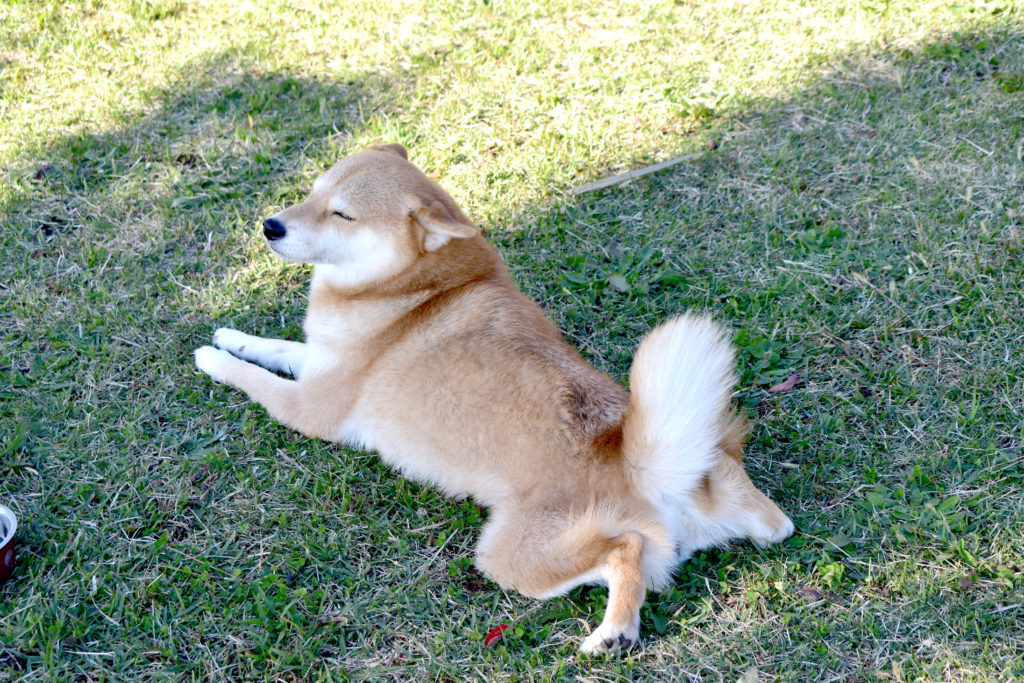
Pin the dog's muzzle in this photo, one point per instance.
(273, 229)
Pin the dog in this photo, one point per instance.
(419, 346)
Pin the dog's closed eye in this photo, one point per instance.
(341, 214)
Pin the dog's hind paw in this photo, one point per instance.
(609, 640)
(771, 530)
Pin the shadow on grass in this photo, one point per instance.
(204, 145)
(109, 232)
(834, 230)
(108, 236)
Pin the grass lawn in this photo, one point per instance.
(856, 217)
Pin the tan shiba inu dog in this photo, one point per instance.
(419, 345)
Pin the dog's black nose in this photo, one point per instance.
(273, 229)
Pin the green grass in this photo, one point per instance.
(859, 223)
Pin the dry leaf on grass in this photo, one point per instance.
(788, 385)
(810, 592)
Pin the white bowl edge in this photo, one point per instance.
(10, 523)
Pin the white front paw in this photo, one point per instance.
(230, 340)
(610, 640)
(213, 362)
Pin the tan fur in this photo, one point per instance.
(419, 345)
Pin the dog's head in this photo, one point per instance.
(371, 215)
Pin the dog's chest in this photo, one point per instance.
(339, 328)
(337, 342)
(344, 325)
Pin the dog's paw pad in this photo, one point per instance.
(212, 361)
(608, 641)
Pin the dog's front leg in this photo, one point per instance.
(277, 355)
(281, 397)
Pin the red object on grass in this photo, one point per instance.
(495, 635)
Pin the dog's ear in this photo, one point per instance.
(440, 226)
(392, 148)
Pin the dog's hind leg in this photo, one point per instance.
(622, 565)
(728, 506)
(543, 555)
(277, 355)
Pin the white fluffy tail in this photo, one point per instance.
(681, 384)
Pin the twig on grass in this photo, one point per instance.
(632, 175)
